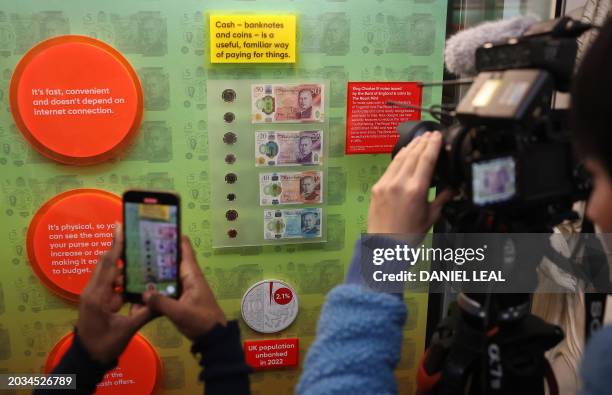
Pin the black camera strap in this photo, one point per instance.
(594, 303)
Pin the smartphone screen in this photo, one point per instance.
(151, 243)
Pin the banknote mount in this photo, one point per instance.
(268, 161)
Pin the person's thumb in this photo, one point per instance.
(164, 305)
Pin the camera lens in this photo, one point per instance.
(232, 233)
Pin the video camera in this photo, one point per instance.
(508, 152)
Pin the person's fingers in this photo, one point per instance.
(169, 307)
(412, 158)
(435, 208)
(189, 270)
(397, 162)
(427, 161)
(117, 248)
(107, 266)
(115, 302)
(119, 279)
(138, 316)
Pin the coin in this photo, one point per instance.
(269, 306)
(231, 178)
(230, 159)
(229, 117)
(230, 138)
(228, 95)
(231, 215)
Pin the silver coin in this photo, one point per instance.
(269, 306)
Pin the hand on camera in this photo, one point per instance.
(196, 312)
(102, 330)
(399, 202)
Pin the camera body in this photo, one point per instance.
(508, 153)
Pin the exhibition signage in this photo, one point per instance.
(139, 370)
(271, 354)
(371, 124)
(238, 38)
(67, 237)
(76, 100)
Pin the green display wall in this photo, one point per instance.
(166, 42)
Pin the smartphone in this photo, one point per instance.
(151, 248)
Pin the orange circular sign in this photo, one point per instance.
(76, 99)
(67, 236)
(139, 370)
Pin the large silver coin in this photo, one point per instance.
(269, 306)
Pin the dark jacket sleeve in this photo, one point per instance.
(77, 361)
(222, 358)
(224, 368)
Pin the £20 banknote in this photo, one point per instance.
(288, 148)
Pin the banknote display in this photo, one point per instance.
(288, 103)
(303, 223)
(288, 148)
(291, 188)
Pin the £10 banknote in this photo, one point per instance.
(291, 188)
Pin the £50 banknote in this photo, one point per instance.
(287, 103)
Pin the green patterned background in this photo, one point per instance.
(165, 41)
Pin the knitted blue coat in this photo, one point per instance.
(358, 344)
(359, 335)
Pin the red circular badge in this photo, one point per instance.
(67, 236)
(76, 99)
(139, 370)
(283, 296)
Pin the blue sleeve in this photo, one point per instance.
(596, 369)
(362, 258)
(358, 344)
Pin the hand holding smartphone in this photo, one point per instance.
(152, 253)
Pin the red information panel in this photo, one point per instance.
(271, 354)
(371, 123)
(139, 370)
(76, 99)
(67, 236)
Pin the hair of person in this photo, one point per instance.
(590, 115)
